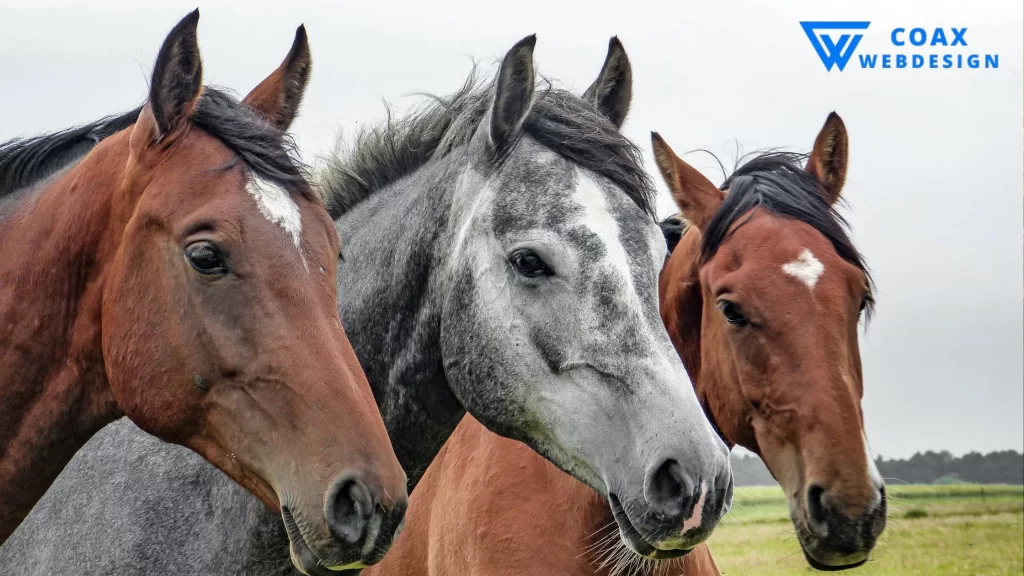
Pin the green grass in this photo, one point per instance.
(962, 529)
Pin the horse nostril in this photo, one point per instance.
(815, 506)
(347, 509)
(670, 490)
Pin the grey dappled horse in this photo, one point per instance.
(499, 256)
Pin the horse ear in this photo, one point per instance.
(277, 98)
(698, 199)
(829, 156)
(613, 89)
(513, 94)
(177, 78)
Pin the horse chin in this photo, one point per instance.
(828, 562)
(820, 553)
(303, 558)
(635, 541)
(822, 566)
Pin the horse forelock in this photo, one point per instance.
(777, 182)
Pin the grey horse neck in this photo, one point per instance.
(392, 247)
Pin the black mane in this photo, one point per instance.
(560, 120)
(25, 161)
(266, 151)
(777, 182)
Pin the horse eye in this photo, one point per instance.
(529, 264)
(205, 258)
(732, 313)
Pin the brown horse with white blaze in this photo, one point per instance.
(762, 297)
(183, 273)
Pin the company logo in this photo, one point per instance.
(834, 41)
(940, 48)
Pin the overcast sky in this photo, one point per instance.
(935, 188)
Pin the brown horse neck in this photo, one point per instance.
(53, 386)
(682, 310)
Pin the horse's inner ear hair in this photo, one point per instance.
(513, 93)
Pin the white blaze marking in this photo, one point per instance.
(698, 511)
(277, 206)
(590, 196)
(876, 478)
(806, 268)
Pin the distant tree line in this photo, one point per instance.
(1004, 467)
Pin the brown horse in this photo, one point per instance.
(183, 273)
(762, 297)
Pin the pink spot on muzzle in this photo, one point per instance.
(698, 511)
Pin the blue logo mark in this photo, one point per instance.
(834, 51)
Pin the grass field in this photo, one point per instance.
(932, 530)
